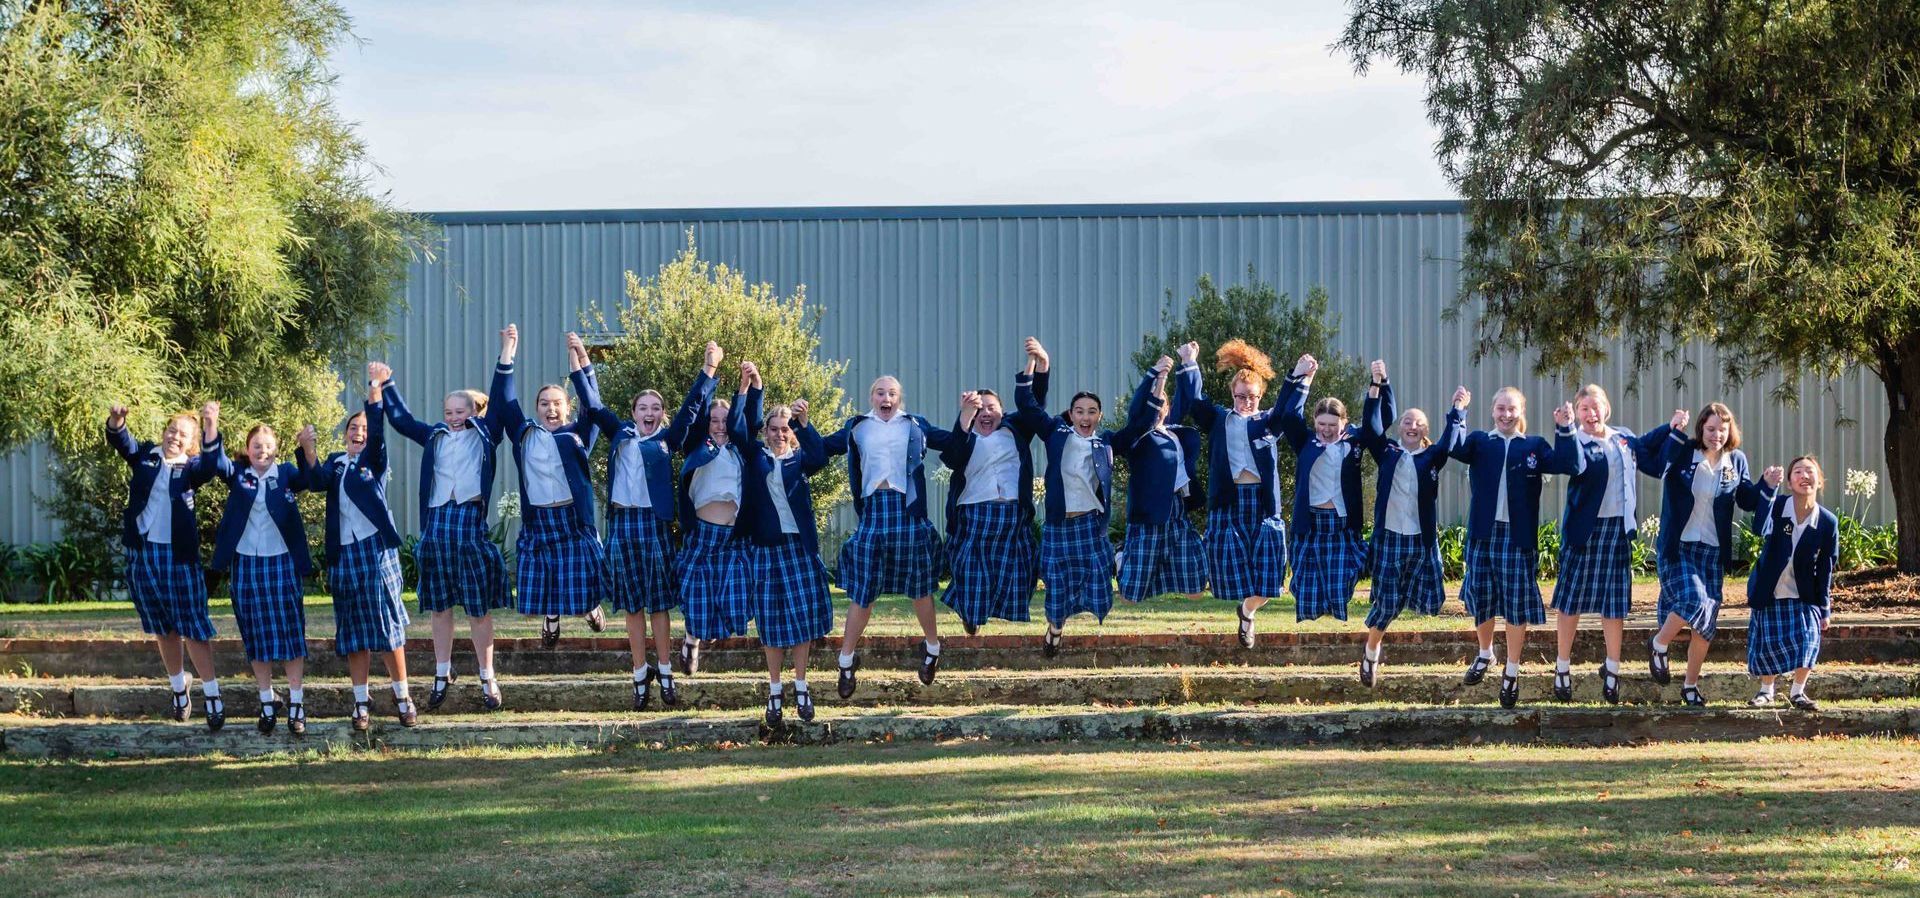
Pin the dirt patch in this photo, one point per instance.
(1876, 589)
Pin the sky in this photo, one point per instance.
(591, 105)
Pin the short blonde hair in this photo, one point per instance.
(1519, 402)
(476, 400)
(193, 425)
(1599, 397)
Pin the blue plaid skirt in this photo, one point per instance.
(1077, 561)
(1502, 581)
(791, 603)
(993, 564)
(1327, 562)
(640, 574)
(460, 567)
(368, 614)
(267, 606)
(1782, 638)
(890, 552)
(1597, 578)
(1246, 554)
(1157, 559)
(171, 598)
(1690, 586)
(559, 564)
(1406, 577)
(715, 592)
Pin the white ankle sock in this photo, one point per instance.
(443, 669)
(210, 688)
(1561, 665)
(933, 648)
(1613, 667)
(178, 681)
(846, 659)
(1485, 655)
(266, 696)
(400, 691)
(297, 696)
(1513, 668)
(800, 686)
(665, 668)
(359, 692)
(486, 673)
(1659, 646)
(1373, 654)
(640, 673)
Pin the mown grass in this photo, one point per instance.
(1802, 818)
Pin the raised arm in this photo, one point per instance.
(1185, 392)
(1650, 448)
(813, 450)
(503, 403)
(1143, 411)
(212, 461)
(743, 419)
(1289, 418)
(1376, 412)
(399, 415)
(1567, 457)
(118, 438)
(1030, 416)
(1754, 495)
(698, 395)
(312, 477)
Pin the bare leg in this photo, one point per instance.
(443, 637)
(1516, 642)
(481, 629)
(1614, 631)
(800, 653)
(663, 639)
(637, 639)
(170, 654)
(1568, 625)
(929, 624)
(1484, 631)
(263, 674)
(359, 667)
(202, 655)
(1697, 649)
(296, 672)
(857, 617)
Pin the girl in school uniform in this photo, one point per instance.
(1161, 553)
(1705, 479)
(894, 548)
(1790, 584)
(1597, 529)
(791, 603)
(640, 488)
(558, 558)
(262, 545)
(715, 590)
(460, 567)
(1328, 553)
(1076, 557)
(990, 505)
(1504, 467)
(1406, 545)
(1246, 540)
(363, 554)
(162, 539)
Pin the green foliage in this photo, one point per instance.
(65, 571)
(1744, 174)
(1548, 543)
(184, 217)
(1453, 551)
(661, 333)
(1272, 322)
(1864, 546)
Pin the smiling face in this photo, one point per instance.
(648, 411)
(886, 397)
(263, 447)
(456, 409)
(181, 433)
(552, 407)
(1246, 395)
(717, 422)
(987, 420)
(1805, 478)
(1713, 433)
(1084, 415)
(356, 433)
(1509, 411)
(1328, 427)
(1591, 412)
(1413, 428)
(778, 433)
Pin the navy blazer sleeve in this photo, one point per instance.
(402, 417)
(1143, 411)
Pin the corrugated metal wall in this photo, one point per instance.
(942, 296)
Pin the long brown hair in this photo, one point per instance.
(1720, 410)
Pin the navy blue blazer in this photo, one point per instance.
(1212, 418)
(242, 486)
(574, 441)
(1813, 559)
(1059, 430)
(1026, 420)
(1676, 498)
(1526, 460)
(1290, 418)
(365, 478)
(761, 519)
(1587, 479)
(144, 460)
(413, 429)
(1151, 459)
(1389, 455)
(922, 437)
(656, 454)
(701, 450)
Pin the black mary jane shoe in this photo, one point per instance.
(267, 719)
(489, 694)
(405, 712)
(669, 693)
(803, 703)
(1246, 626)
(1609, 685)
(216, 715)
(182, 707)
(689, 657)
(550, 632)
(643, 690)
(773, 711)
(929, 664)
(1563, 685)
(1509, 691)
(438, 694)
(1691, 697)
(1802, 703)
(297, 719)
(1368, 668)
(1050, 643)
(1762, 699)
(1657, 664)
(848, 681)
(1477, 671)
(362, 716)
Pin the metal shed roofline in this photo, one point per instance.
(1037, 210)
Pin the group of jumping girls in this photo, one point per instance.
(742, 515)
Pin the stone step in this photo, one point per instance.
(1866, 643)
(1721, 684)
(1566, 725)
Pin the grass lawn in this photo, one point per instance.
(1801, 818)
(893, 615)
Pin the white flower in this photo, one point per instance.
(1862, 483)
(509, 506)
(1650, 528)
